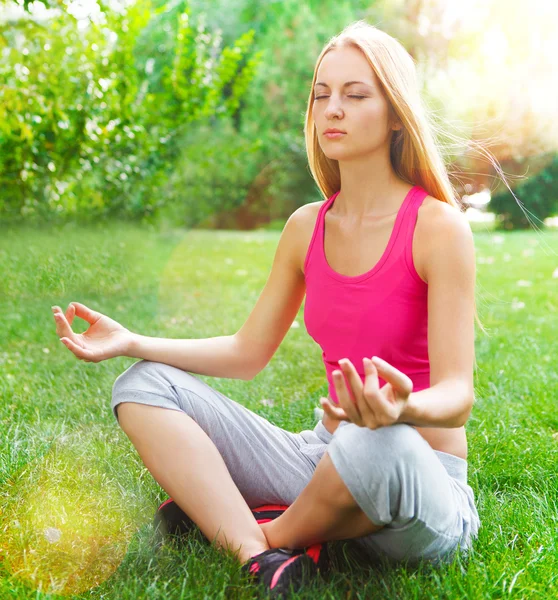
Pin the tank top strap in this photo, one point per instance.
(314, 252)
(320, 222)
(408, 229)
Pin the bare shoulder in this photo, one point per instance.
(438, 224)
(305, 217)
(442, 219)
(439, 209)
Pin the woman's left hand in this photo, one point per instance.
(368, 405)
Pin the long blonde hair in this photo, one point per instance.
(414, 153)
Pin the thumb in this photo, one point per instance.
(82, 353)
(393, 376)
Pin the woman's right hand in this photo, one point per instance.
(104, 339)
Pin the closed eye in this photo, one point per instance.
(359, 97)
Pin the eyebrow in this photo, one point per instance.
(344, 85)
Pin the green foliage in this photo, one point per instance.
(290, 35)
(27, 4)
(212, 174)
(125, 116)
(83, 129)
(270, 178)
(539, 196)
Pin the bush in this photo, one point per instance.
(539, 195)
(212, 174)
(87, 128)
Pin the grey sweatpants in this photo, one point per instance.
(420, 495)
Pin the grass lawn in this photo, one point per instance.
(76, 502)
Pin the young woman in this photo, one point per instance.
(387, 265)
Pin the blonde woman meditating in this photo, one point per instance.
(387, 265)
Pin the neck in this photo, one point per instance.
(369, 188)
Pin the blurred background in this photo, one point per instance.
(191, 113)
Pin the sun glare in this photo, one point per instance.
(499, 75)
(68, 522)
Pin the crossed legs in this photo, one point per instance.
(187, 465)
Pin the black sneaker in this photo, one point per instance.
(171, 520)
(320, 554)
(281, 570)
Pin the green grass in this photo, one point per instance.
(68, 470)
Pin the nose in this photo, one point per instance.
(333, 108)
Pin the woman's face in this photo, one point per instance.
(359, 109)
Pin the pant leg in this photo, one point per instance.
(400, 482)
(265, 462)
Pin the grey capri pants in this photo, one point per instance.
(420, 495)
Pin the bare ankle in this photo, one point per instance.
(269, 531)
(245, 553)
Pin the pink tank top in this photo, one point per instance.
(382, 312)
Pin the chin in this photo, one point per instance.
(336, 153)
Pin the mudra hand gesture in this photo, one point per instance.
(368, 405)
(104, 339)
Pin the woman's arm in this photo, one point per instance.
(222, 356)
(446, 404)
(449, 267)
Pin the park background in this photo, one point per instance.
(150, 154)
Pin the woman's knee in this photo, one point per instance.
(151, 383)
(149, 376)
(385, 445)
(135, 376)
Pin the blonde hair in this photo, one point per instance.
(415, 155)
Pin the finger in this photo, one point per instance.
(389, 373)
(80, 352)
(352, 376)
(356, 387)
(369, 407)
(345, 402)
(62, 326)
(334, 412)
(70, 313)
(371, 383)
(85, 313)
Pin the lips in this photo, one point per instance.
(333, 131)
